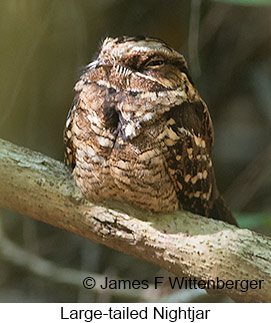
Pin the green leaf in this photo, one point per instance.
(253, 220)
(246, 2)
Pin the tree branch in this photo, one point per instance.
(182, 243)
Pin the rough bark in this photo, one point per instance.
(182, 243)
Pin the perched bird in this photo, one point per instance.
(138, 131)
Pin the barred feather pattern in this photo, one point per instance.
(138, 131)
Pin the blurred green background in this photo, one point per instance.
(44, 46)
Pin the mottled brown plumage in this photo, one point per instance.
(139, 131)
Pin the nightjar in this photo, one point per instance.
(138, 131)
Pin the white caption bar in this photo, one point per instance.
(133, 312)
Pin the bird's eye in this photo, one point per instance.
(155, 63)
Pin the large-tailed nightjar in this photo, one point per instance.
(139, 132)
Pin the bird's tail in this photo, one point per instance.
(221, 212)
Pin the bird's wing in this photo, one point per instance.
(69, 153)
(189, 162)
